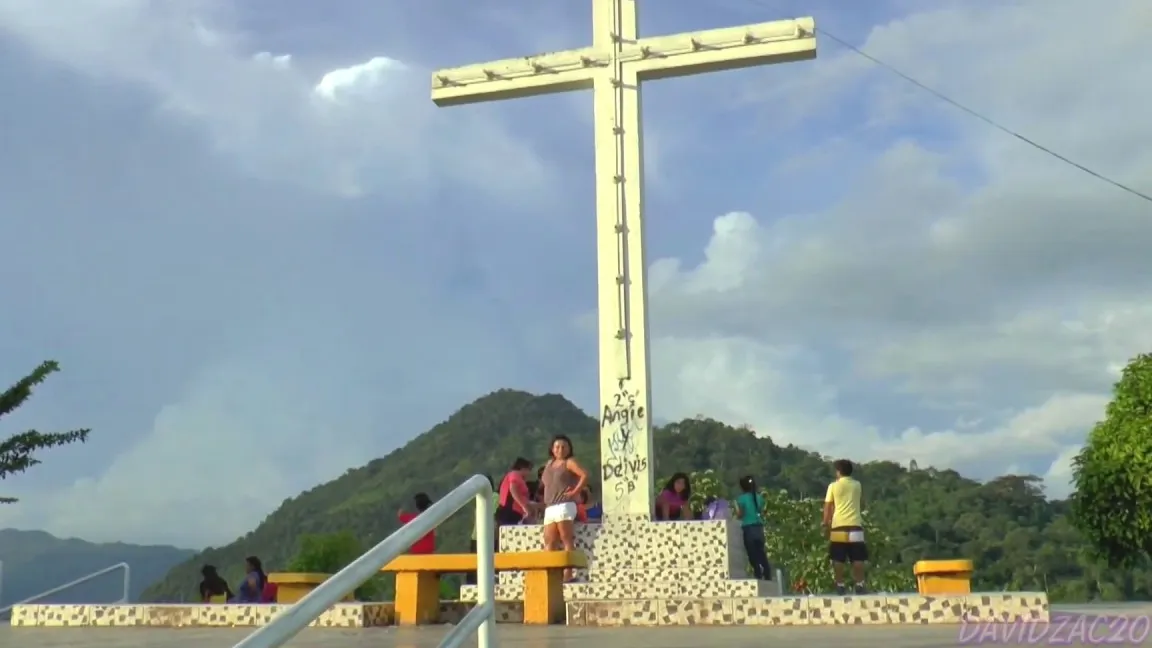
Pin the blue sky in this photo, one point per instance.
(263, 256)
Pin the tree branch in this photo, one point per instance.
(15, 395)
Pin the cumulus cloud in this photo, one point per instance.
(367, 126)
(963, 276)
(253, 317)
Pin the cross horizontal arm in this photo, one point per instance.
(780, 41)
(519, 77)
(659, 57)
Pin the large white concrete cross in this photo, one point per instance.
(614, 67)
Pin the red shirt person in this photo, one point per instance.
(515, 501)
(426, 544)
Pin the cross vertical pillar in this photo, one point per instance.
(613, 67)
(625, 401)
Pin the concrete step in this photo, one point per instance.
(640, 575)
(892, 609)
(642, 590)
(222, 615)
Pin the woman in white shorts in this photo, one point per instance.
(563, 479)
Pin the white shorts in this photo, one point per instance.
(562, 512)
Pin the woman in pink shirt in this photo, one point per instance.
(515, 501)
(672, 503)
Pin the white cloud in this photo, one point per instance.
(780, 393)
(366, 127)
(1058, 478)
(252, 307)
(963, 276)
(209, 451)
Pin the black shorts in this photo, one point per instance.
(847, 552)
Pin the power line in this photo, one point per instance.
(975, 113)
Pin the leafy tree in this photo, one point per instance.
(1112, 505)
(17, 453)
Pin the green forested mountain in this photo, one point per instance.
(35, 561)
(1017, 538)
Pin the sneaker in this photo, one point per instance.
(840, 590)
(859, 589)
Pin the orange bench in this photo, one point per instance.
(936, 577)
(418, 582)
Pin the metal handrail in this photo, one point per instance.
(481, 618)
(83, 579)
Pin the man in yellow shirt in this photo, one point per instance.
(845, 526)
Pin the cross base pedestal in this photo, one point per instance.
(636, 558)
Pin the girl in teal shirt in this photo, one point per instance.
(748, 507)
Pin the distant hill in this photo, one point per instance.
(35, 561)
(1018, 539)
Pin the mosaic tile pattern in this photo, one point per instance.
(379, 614)
(786, 610)
(506, 611)
(638, 550)
(342, 615)
(662, 589)
(56, 616)
(616, 613)
(1007, 607)
(847, 610)
(220, 616)
(813, 610)
(932, 609)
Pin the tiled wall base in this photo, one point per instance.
(641, 559)
(877, 609)
(814, 610)
(343, 615)
(640, 551)
(662, 589)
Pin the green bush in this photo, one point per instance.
(328, 554)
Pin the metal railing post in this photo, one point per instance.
(127, 576)
(481, 618)
(83, 579)
(485, 567)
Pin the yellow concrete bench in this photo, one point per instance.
(293, 586)
(934, 577)
(418, 582)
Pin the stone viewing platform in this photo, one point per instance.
(641, 573)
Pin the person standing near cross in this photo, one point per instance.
(614, 67)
